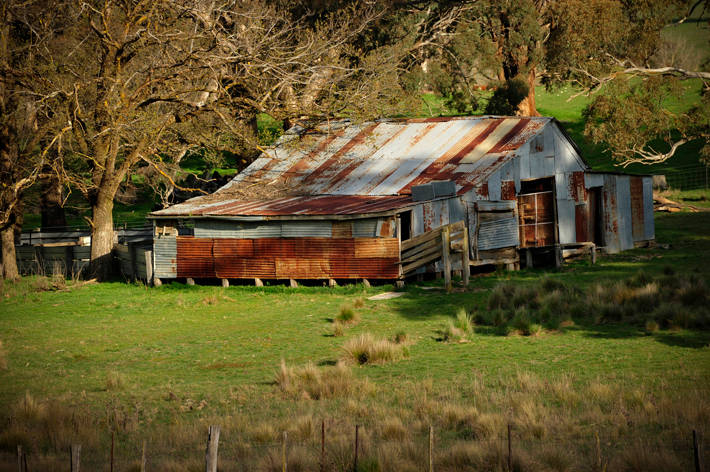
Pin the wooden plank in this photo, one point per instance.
(416, 240)
(446, 258)
(419, 263)
(458, 226)
(464, 259)
(148, 256)
(418, 249)
(431, 250)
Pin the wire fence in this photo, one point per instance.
(363, 449)
(693, 177)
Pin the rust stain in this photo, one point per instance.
(482, 190)
(501, 145)
(359, 139)
(507, 190)
(581, 223)
(576, 187)
(637, 216)
(342, 229)
(305, 162)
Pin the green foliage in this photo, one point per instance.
(507, 98)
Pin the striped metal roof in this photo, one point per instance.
(383, 158)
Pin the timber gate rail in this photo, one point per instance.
(437, 244)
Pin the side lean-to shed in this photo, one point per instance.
(337, 201)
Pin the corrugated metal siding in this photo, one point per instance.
(281, 258)
(306, 229)
(610, 211)
(165, 258)
(498, 233)
(236, 229)
(365, 228)
(626, 239)
(637, 217)
(648, 223)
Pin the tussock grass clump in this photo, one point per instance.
(28, 408)
(359, 302)
(3, 357)
(347, 315)
(366, 349)
(316, 383)
(115, 380)
(400, 337)
(338, 329)
(458, 329)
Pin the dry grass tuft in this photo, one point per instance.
(359, 302)
(393, 429)
(30, 409)
(366, 349)
(115, 380)
(338, 329)
(316, 383)
(347, 315)
(3, 357)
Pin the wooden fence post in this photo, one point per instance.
(75, 453)
(431, 448)
(696, 453)
(148, 267)
(322, 446)
(132, 254)
(211, 452)
(143, 457)
(446, 257)
(357, 431)
(510, 452)
(284, 462)
(19, 458)
(464, 258)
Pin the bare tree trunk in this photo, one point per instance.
(9, 259)
(101, 236)
(527, 106)
(51, 204)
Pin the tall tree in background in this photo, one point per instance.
(610, 48)
(31, 130)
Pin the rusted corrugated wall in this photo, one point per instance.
(284, 258)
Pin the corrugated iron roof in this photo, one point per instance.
(382, 158)
(291, 206)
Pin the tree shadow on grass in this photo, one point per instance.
(691, 339)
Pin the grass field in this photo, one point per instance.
(162, 363)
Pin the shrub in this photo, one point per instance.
(365, 349)
(347, 315)
(651, 327)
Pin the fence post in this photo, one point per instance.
(357, 431)
(143, 457)
(112, 438)
(75, 453)
(148, 267)
(446, 257)
(464, 258)
(431, 448)
(284, 464)
(19, 458)
(322, 446)
(696, 452)
(510, 452)
(211, 452)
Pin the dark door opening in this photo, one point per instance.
(405, 225)
(596, 220)
(536, 212)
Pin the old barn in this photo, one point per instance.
(359, 201)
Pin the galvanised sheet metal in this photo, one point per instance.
(165, 258)
(321, 205)
(365, 228)
(373, 159)
(637, 208)
(648, 223)
(237, 229)
(304, 229)
(499, 233)
(280, 258)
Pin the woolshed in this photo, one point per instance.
(377, 200)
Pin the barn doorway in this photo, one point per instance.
(596, 221)
(536, 213)
(405, 225)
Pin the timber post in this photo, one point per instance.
(446, 257)
(465, 263)
(212, 447)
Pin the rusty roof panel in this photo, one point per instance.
(373, 159)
